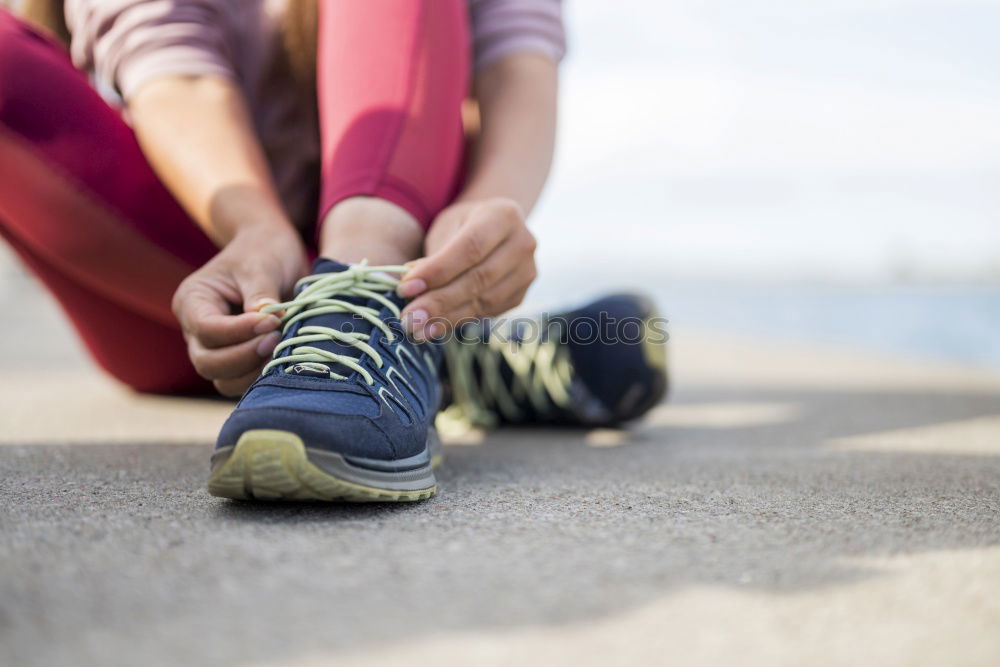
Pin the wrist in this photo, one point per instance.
(492, 187)
(279, 229)
(268, 236)
(449, 222)
(246, 211)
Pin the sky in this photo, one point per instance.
(828, 139)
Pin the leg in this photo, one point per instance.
(391, 80)
(143, 354)
(83, 209)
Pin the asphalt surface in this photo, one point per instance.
(788, 506)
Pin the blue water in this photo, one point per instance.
(958, 323)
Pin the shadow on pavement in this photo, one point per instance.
(102, 543)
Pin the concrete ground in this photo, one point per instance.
(788, 506)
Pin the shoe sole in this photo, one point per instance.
(275, 465)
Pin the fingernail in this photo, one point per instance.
(410, 288)
(416, 319)
(264, 302)
(266, 345)
(435, 330)
(267, 323)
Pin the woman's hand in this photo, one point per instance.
(480, 262)
(258, 267)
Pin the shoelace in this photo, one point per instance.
(542, 373)
(319, 297)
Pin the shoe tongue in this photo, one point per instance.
(324, 265)
(346, 322)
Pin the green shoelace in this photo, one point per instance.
(320, 297)
(542, 373)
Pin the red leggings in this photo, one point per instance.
(85, 212)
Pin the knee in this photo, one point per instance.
(27, 62)
(189, 384)
(153, 378)
(17, 41)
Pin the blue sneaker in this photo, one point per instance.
(344, 409)
(599, 365)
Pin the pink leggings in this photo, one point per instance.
(85, 212)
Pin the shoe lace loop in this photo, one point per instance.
(322, 294)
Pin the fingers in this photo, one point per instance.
(257, 267)
(259, 288)
(236, 386)
(490, 288)
(233, 361)
(507, 294)
(204, 314)
(221, 331)
(228, 349)
(480, 235)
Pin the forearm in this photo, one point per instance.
(197, 134)
(517, 106)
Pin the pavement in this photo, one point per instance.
(789, 505)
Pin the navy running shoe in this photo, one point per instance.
(344, 409)
(599, 365)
